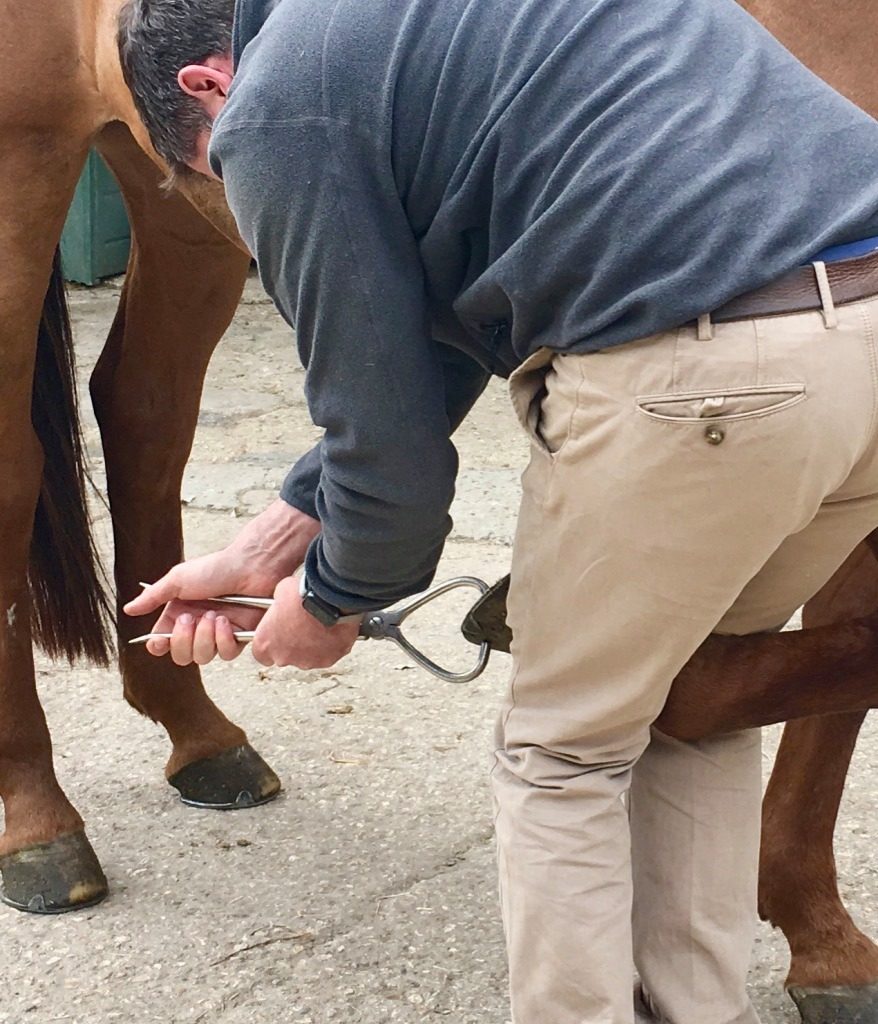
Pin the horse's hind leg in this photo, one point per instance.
(45, 860)
(834, 970)
(183, 285)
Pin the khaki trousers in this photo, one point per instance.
(676, 487)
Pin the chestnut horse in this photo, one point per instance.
(186, 273)
(185, 277)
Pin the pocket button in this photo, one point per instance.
(714, 435)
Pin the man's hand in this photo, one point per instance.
(271, 547)
(289, 635)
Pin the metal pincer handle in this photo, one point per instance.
(386, 625)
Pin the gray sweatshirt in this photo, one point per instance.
(433, 189)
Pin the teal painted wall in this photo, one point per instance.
(96, 236)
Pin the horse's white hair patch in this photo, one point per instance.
(10, 616)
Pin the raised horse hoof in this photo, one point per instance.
(841, 1004)
(234, 779)
(52, 878)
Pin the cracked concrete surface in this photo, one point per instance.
(366, 893)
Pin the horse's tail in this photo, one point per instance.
(69, 606)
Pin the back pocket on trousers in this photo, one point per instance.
(721, 404)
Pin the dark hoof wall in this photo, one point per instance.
(53, 878)
(232, 780)
(842, 1004)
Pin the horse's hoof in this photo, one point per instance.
(840, 1004)
(52, 878)
(234, 779)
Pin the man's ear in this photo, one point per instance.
(207, 83)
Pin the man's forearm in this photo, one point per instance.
(376, 383)
(463, 381)
(277, 539)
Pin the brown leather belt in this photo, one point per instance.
(796, 292)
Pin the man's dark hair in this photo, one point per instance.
(156, 38)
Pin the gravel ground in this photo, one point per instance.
(366, 893)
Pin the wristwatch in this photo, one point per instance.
(325, 613)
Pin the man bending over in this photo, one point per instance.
(631, 209)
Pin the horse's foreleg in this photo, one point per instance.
(45, 859)
(736, 683)
(833, 974)
(183, 285)
(829, 668)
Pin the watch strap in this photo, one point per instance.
(321, 609)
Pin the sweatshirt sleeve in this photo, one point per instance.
(464, 380)
(316, 203)
(299, 488)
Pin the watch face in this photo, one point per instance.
(320, 609)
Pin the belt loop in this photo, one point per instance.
(830, 317)
(705, 327)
